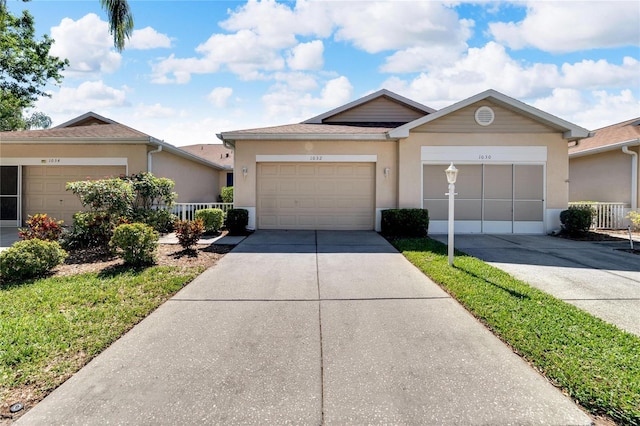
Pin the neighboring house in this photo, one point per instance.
(339, 170)
(216, 153)
(604, 168)
(37, 164)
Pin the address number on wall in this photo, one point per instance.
(484, 157)
(315, 158)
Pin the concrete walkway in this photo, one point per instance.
(593, 276)
(308, 328)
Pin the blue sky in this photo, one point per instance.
(196, 68)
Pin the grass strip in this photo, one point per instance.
(50, 328)
(596, 363)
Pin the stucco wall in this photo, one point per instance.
(409, 194)
(195, 182)
(604, 177)
(246, 151)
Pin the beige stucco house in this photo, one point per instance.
(604, 168)
(36, 165)
(216, 153)
(339, 170)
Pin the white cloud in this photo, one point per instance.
(88, 96)
(154, 111)
(220, 96)
(87, 44)
(381, 26)
(590, 109)
(568, 26)
(306, 56)
(147, 38)
(285, 105)
(592, 74)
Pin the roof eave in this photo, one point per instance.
(184, 154)
(232, 138)
(600, 149)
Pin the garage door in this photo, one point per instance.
(315, 196)
(491, 198)
(44, 188)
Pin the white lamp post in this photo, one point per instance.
(452, 175)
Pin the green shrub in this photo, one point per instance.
(576, 219)
(227, 194)
(212, 219)
(91, 229)
(405, 223)
(150, 191)
(30, 258)
(189, 232)
(114, 196)
(634, 216)
(161, 220)
(42, 227)
(237, 221)
(135, 243)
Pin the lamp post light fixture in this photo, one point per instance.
(452, 175)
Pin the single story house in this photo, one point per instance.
(216, 153)
(604, 168)
(35, 166)
(340, 169)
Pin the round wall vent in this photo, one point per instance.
(484, 116)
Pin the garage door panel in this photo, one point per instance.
(318, 196)
(528, 211)
(44, 188)
(498, 198)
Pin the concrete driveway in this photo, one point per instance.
(593, 276)
(308, 328)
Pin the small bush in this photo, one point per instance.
(405, 223)
(227, 194)
(212, 219)
(634, 216)
(189, 232)
(135, 243)
(237, 221)
(91, 229)
(30, 258)
(576, 219)
(42, 227)
(160, 220)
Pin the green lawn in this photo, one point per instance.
(596, 363)
(51, 327)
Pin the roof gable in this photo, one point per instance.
(570, 131)
(88, 119)
(381, 107)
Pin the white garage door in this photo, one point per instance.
(316, 196)
(491, 198)
(44, 188)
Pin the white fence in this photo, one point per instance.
(186, 211)
(606, 215)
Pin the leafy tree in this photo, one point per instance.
(120, 20)
(25, 69)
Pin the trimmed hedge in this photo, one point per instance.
(135, 243)
(576, 219)
(212, 219)
(405, 223)
(237, 221)
(30, 258)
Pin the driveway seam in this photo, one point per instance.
(315, 233)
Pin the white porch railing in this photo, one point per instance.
(186, 211)
(605, 215)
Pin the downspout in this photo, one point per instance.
(634, 176)
(149, 160)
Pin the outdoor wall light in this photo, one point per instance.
(245, 171)
(452, 175)
(386, 172)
